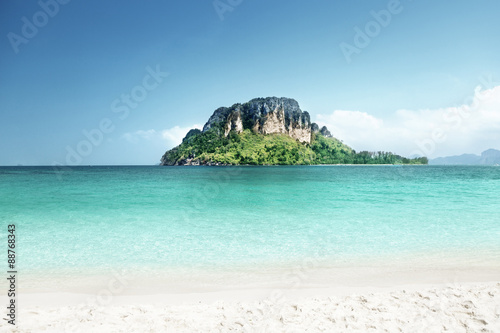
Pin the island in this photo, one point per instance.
(269, 131)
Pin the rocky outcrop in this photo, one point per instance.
(323, 131)
(270, 115)
(234, 123)
(264, 116)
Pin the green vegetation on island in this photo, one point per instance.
(250, 148)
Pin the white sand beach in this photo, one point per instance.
(446, 308)
(350, 299)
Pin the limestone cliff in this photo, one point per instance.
(265, 116)
(245, 134)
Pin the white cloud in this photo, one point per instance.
(469, 128)
(169, 137)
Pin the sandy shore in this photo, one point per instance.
(438, 296)
(453, 307)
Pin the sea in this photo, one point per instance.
(86, 220)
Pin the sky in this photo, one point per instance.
(118, 83)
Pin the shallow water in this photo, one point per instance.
(155, 218)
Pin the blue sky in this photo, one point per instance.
(68, 76)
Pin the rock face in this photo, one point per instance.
(323, 131)
(271, 115)
(265, 116)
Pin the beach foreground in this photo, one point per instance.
(472, 307)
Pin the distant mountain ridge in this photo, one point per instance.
(487, 157)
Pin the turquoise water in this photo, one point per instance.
(171, 217)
